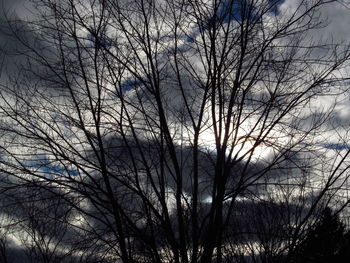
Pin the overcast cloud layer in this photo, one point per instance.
(335, 30)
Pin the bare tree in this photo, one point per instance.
(158, 119)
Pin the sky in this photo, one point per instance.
(336, 30)
(336, 15)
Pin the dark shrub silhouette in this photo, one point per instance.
(326, 242)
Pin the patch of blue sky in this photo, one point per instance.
(338, 83)
(230, 10)
(336, 146)
(47, 168)
(274, 6)
(234, 10)
(129, 85)
(191, 38)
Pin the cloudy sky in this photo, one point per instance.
(337, 16)
(336, 30)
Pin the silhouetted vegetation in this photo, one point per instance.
(327, 241)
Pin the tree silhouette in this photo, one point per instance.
(344, 252)
(171, 131)
(325, 242)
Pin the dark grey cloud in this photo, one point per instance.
(14, 31)
(21, 8)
